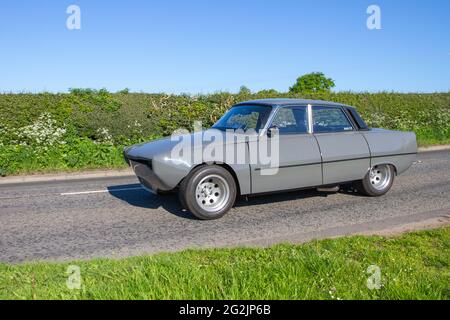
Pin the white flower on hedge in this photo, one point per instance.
(375, 119)
(43, 132)
(104, 136)
(3, 134)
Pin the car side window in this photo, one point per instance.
(330, 119)
(291, 120)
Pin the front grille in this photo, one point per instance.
(146, 162)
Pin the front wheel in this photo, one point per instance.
(378, 181)
(208, 192)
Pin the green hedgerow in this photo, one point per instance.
(84, 123)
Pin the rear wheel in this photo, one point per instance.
(378, 181)
(208, 192)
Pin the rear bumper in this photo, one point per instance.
(144, 171)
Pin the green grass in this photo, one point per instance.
(413, 266)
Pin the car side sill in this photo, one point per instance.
(298, 189)
(341, 160)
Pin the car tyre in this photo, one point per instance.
(208, 192)
(378, 181)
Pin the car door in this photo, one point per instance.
(299, 156)
(345, 153)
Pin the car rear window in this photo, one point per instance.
(330, 119)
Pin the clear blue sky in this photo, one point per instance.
(211, 45)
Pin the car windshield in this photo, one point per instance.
(244, 117)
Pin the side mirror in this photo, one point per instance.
(272, 131)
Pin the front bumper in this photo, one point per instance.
(143, 168)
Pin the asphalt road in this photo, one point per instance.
(113, 217)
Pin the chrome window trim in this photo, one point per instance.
(310, 119)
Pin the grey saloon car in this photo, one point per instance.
(309, 144)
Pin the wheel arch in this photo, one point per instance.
(223, 165)
(384, 162)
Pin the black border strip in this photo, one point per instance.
(394, 155)
(343, 160)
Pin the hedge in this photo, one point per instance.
(40, 132)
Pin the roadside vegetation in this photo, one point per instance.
(87, 128)
(412, 266)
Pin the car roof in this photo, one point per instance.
(289, 102)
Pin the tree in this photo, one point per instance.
(244, 90)
(268, 92)
(312, 82)
(124, 91)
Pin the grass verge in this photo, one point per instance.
(413, 266)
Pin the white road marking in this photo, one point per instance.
(98, 191)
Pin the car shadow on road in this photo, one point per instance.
(143, 199)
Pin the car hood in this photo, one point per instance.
(149, 150)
